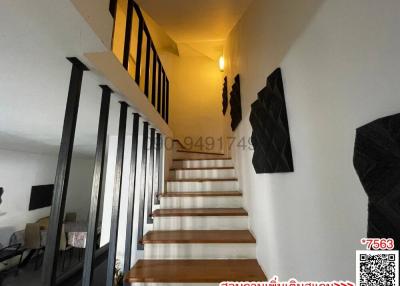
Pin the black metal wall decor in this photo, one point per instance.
(270, 137)
(377, 163)
(225, 96)
(236, 106)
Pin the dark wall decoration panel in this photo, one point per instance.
(225, 96)
(270, 137)
(377, 162)
(236, 106)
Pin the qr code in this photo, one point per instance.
(377, 268)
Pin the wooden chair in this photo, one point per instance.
(33, 240)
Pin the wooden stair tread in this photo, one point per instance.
(199, 236)
(200, 152)
(201, 159)
(201, 168)
(195, 271)
(203, 194)
(200, 212)
(203, 180)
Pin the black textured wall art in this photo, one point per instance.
(270, 137)
(236, 106)
(1, 194)
(225, 96)
(377, 162)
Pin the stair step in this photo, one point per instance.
(209, 173)
(201, 219)
(203, 180)
(200, 152)
(200, 185)
(200, 212)
(199, 236)
(199, 244)
(201, 168)
(195, 271)
(202, 194)
(187, 200)
(202, 163)
(201, 159)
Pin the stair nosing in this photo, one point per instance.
(194, 271)
(201, 159)
(202, 168)
(202, 194)
(200, 180)
(157, 213)
(200, 233)
(200, 152)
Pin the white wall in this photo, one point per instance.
(340, 64)
(195, 99)
(19, 171)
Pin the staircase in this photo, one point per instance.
(200, 234)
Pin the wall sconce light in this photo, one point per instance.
(221, 63)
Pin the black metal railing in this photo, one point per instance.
(150, 186)
(133, 45)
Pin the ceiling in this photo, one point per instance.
(203, 24)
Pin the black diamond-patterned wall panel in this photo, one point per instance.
(236, 106)
(270, 137)
(377, 162)
(225, 96)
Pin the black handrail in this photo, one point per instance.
(155, 81)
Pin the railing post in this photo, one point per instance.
(62, 174)
(113, 7)
(112, 251)
(147, 71)
(131, 194)
(96, 187)
(128, 34)
(151, 177)
(158, 168)
(167, 109)
(153, 81)
(163, 95)
(139, 50)
(159, 86)
(142, 185)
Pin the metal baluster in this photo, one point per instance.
(113, 7)
(147, 71)
(153, 81)
(151, 177)
(112, 252)
(142, 185)
(159, 86)
(128, 34)
(158, 168)
(131, 194)
(167, 109)
(163, 95)
(96, 187)
(62, 174)
(139, 50)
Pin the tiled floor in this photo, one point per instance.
(28, 276)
